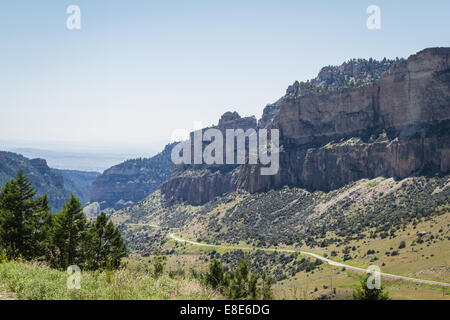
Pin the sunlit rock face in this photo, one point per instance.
(393, 122)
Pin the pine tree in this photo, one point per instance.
(22, 218)
(158, 264)
(215, 277)
(105, 244)
(68, 227)
(239, 279)
(266, 288)
(253, 286)
(239, 283)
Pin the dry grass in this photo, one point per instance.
(31, 281)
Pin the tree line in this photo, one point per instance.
(29, 231)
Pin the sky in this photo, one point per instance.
(138, 70)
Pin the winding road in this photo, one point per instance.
(330, 262)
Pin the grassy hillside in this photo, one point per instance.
(401, 226)
(38, 282)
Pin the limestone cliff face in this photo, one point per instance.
(408, 109)
(395, 126)
(197, 184)
(197, 189)
(126, 183)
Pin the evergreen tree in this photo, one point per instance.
(22, 218)
(215, 277)
(239, 283)
(267, 293)
(253, 286)
(68, 227)
(364, 293)
(238, 287)
(105, 244)
(158, 264)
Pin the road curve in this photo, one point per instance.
(330, 262)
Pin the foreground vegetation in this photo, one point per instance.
(37, 247)
(28, 231)
(414, 243)
(240, 282)
(35, 281)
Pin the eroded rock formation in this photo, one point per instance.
(396, 125)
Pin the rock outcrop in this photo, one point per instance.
(198, 184)
(126, 183)
(392, 124)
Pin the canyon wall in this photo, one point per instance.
(395, 126)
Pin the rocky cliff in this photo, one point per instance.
(389, 119)
(126, 183)
(198, 184)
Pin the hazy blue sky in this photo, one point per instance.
(137, 70)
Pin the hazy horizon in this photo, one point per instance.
(94, 156)
(136, 72)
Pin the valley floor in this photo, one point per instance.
(401, 226)
(345, 280)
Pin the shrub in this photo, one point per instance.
(364, 293)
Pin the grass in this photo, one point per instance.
(429, 260)
(303, 285)
(312, 285)
(374, 183)
(32, 281)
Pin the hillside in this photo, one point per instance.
(79, 182)
(360, 224)
(44, 179)
(128, 182)
(58, 184)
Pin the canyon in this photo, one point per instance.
(395, 124)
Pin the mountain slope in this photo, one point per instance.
(58, 184)
(364, 178)
(44, 179)
(126, 183)
(78, 183)
(362, 223)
